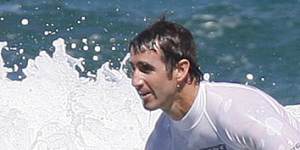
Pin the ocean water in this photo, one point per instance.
(63, 71)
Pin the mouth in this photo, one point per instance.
(144, 95)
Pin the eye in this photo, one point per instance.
(145, 67)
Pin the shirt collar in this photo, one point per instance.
(195, 114)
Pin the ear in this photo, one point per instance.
(182, 70)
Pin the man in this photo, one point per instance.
(199, 115)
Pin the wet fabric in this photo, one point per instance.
(228, 116)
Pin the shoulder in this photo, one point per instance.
(237, 107)
(231, 100)
(237, 97)
(232, 87)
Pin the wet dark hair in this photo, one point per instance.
(175, 42)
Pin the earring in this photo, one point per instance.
(178, 86)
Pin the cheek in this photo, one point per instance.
(165, 88)
(161, 84)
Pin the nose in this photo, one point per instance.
(136, 80)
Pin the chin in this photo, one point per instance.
(150, 108)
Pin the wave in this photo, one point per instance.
(54, 108)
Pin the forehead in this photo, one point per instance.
(149, 56)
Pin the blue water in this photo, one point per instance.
(234, 37)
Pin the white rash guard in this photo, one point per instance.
(227, 116)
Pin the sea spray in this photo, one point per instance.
(54, 108)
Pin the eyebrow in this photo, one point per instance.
(142, 63)
(146, 64)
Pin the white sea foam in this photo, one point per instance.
(52, 108)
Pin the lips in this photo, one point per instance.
(144, 95)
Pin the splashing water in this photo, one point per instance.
(53, 108)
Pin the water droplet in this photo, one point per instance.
(85, 48)
(84, 40)
(24, 21)
(73, 45)
(47, 32)
(21, 51)
(9, 69)
(249, 76)
(112, 40)
(16, 67)
(95, 58)
(206, 76)
(97, 48)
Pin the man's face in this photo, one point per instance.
(151, 80)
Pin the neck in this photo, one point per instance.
(183, 101)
